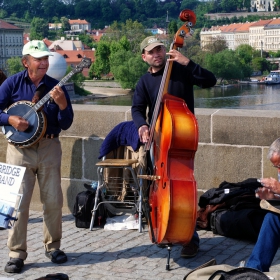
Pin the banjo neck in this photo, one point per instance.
(36, 117)
(45, 99)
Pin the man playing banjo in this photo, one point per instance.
(41, 154)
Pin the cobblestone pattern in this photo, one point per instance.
(117, 255)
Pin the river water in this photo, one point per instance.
(253, 97)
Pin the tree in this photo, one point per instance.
(14, 65)
(65, 25)
(244, 53)
(260, 64)
(224, 65)
(39, 29)
(77, 79)
(127, 68)
(189, 4)
(101, 64)
(3, 13)
(87, 40)
(217, 45)
(172, 27)
(132, 30)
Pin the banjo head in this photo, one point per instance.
(36, 129)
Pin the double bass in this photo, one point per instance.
(172, 202)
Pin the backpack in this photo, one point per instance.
(240, 224)
(232, 210)
(83, 207)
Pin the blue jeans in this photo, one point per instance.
(267, 243)
(195, 239)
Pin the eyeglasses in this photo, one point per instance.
(276, 166)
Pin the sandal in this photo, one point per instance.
(14, 265)
(56, 256)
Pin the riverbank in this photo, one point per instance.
(100, 90)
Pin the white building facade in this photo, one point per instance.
(261, 35)
(263, 5)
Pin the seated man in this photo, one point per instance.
(269, 236)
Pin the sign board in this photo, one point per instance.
(10, 180)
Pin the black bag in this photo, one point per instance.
(240, 273)
(83, 210)
(211, 271)
(241, 224)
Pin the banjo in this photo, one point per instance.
(34, 114)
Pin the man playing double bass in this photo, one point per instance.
(185, 74)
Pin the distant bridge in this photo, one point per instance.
(274, 60)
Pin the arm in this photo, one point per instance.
(6, 100)
(59, 112)
(66, 114)
(138, 110)
(198, 75)
(270, 190)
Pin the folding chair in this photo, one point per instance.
(120, 190)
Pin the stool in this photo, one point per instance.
(134, 207)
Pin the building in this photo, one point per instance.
(11, 42)
(271, 39)
(70, 45)
(262, 5)
(79, 26)
(257, 34)
(55, 26)
(73, 58)
(262, 35)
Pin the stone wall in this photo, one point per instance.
(233, 146)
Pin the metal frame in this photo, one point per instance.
(120, 164)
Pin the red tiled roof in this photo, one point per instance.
(96, 38)
(261, 22)
(232, 27)
(74, 57)
(47, 42)
(6, 25)
(244, 27)
(274, 22)
(79, 21)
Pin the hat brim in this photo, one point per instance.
(40, 54)
(153, 45)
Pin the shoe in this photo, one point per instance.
(56, 256)
(56, 276)
(14, 265)
(189, 251)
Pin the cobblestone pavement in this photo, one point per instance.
(101, 254)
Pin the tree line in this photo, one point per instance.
(104, 12)
(118, 52)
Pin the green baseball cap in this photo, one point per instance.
(149, 43)
(36, 49)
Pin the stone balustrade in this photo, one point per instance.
(233, 146)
